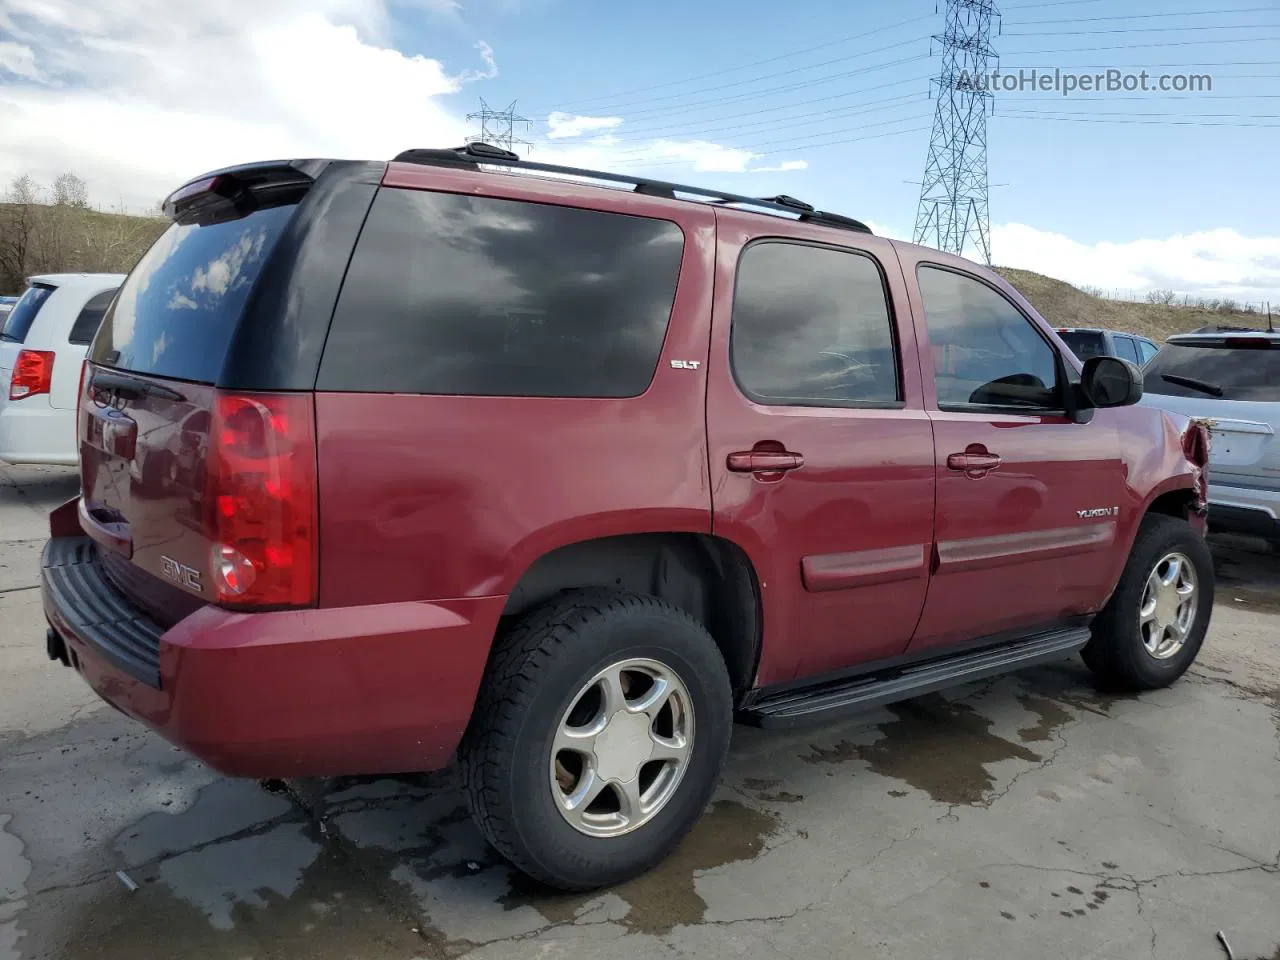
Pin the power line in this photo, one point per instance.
(871, 106)
(1053, 3)
(773, 153)
(1113, 30)
(767, 76)
(785, 88)
(1144, 16)
(1142, 46)
(659, 105)
(1159, 123)
(1141, 113)
(754, 63)
(808, 101)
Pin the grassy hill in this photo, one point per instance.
(1066, 306)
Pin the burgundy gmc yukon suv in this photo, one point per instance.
(388, 464)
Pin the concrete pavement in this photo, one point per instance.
(1028, 817)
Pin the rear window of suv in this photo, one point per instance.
(18, 323)
(452, 294)
(1239, 372)
(1084, 343)
(177, 312)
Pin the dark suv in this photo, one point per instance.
(1086, 342)
(388, 462)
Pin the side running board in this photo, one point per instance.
(821, 702)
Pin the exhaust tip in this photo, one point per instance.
(56, 647)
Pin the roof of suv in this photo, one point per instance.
(476, 155)
(73, 279)
(1214, 337)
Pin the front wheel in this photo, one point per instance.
(1151, 630)
(598, 737)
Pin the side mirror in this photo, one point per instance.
(1111, 382)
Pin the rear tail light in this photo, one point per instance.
(260, 500)
(1195, 443)
(1195, 446)
(32, 374)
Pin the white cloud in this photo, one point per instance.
(137, 96)
(1218, 263)
(785, 167)
(143, 94)
(19, 60)
(661, 158)
(563, 125)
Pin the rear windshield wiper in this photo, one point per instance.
(8, 338)
(1212, 389)
(130, 388)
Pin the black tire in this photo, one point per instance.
(1116, 653)
(534, 673)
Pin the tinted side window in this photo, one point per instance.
(90, 318)
(811, 326)
(1147, 349)
(986, 353)
(451, 294)
(23, 314)
(1127, 349)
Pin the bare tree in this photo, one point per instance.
(17, 229)
(70, 191)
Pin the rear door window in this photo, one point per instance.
(90, 318)
(18, 323)
(453, 294)
(811, 327)
(1127, 349)
(177, 312)
(1217, 370)
(1147, 349)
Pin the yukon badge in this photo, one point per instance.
(1098, 512)
(180, 573)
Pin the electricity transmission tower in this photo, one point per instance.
(953, 194)
(498, 127)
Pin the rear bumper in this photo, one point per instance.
(318, 692)
(1244, 510)
(31, 431)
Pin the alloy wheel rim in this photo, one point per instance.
(1170, 599)
(621, 748)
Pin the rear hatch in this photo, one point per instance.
(14, 328)
(1233, 381)
(171, 467)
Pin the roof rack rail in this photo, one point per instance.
(476, 153)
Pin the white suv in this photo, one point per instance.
(1230, 377)
(42, 345)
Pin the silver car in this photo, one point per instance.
(1232, 379)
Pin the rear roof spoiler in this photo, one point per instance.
(235, 191)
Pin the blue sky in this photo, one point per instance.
(1119, 190)
(1092, 180)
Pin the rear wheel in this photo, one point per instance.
(1152, 628)
(598, 737)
